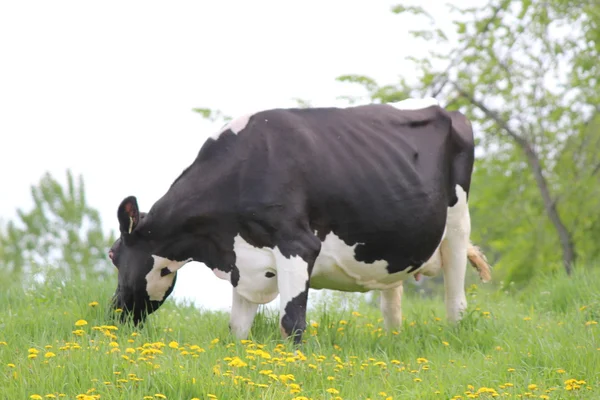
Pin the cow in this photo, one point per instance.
(279, 201)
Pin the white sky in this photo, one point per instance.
(107, 88)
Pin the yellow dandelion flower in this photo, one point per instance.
(50, 396)
(511, 370)
(421, 360)
(32, 355)
(545, 397)
(332, 391)
(211, 396)
(237, 362)
(214, 341)
(445, 343)
(561, 371)
(532, 387)
(10, 365)
(2, 343)
(81, 322)
(160, 396)
(93, 304)
(527, 319)
(49, 354)
(591, 323)
(330, 378)
(35, 397)
(300, 398)
(174, 345)
(418, 380)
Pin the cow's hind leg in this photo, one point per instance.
(454, 257)
(242, 315)
(390, 304)
(295, 260)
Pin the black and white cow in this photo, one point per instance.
(351, 199)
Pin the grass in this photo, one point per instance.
(542, 342)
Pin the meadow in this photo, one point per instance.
(540, 342)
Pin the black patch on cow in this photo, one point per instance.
(235, 275)
(294, 318)
(165, 271)
(269, 274)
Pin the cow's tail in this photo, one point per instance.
(479, 262)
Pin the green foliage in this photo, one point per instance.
(542, 336)
(60, 235)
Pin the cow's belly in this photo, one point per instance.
(337, 269)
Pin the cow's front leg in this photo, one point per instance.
(294, 267)
(242, 315)
(390, 304)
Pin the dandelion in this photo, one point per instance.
(49, 354)
(174, 345)
(333, 391)
(160, 396)
(589, 323)
(532, 387)
(93, 304)
(211, 396)
(237, 362)
(445, 343)
(35, 397)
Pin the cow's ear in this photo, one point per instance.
(128, 214)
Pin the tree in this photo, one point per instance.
(526, 73)
(62, 234)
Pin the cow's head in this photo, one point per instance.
(145, 279)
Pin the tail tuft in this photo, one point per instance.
(479, 262)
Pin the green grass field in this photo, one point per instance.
(542, 342)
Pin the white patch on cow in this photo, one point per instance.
(454, 256)
(242, 315)
(415, 103)
(157, 285)
(390, 304)
(253, 264)
(236, 125)
(337, 269)
(226, 276)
